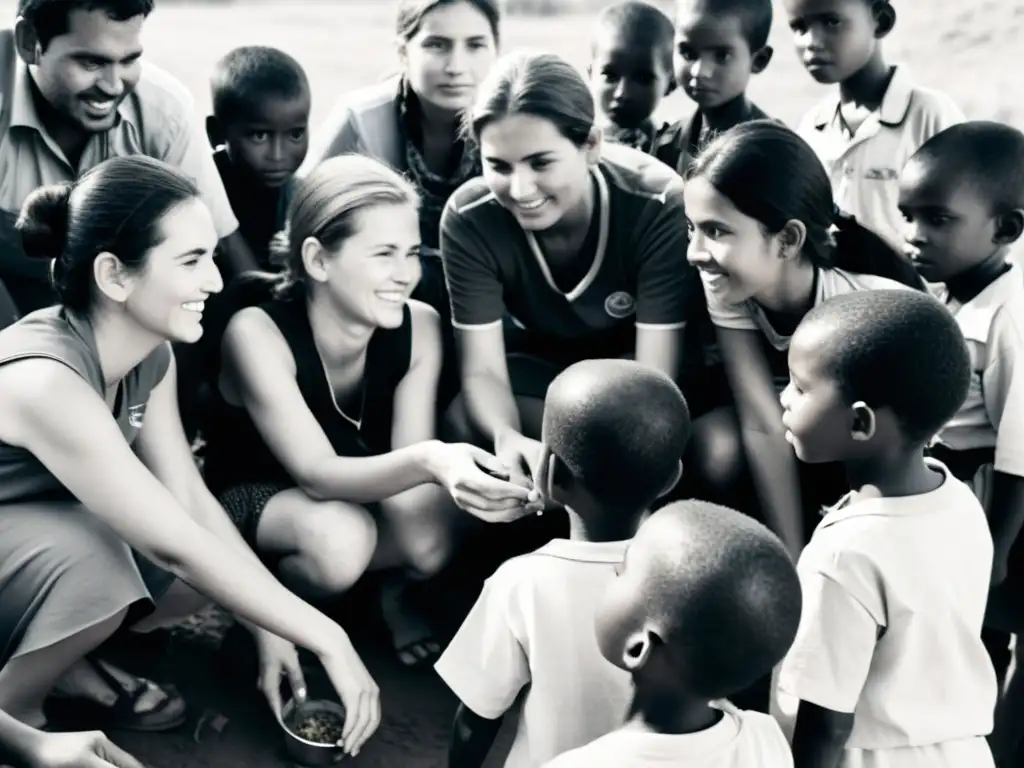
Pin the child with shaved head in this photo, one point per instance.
(613, 435)
(705, 602)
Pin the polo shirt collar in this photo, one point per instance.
(891, 506)
(585, 551)
(23, 107)
(893, 109)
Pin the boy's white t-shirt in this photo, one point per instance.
(992, 416)
(894, 594)
(739, 740)
(865, 168)
(533, 628)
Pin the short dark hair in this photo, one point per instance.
(989, 155)
(116, 206)
(411, 14)
(793, 184)
(895, 349)
(248, 74)
(723, 593)
(51, 18)
(754, 15)
(639, 23)
(619, 427)
(540, 84)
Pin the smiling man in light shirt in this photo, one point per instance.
(74, 92)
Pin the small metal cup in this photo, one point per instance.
(302, 751)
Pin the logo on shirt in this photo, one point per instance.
(881, 174)
(619, 305)
(136, 414)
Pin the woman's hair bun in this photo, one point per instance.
(43, 222)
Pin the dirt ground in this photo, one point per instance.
(418, 708)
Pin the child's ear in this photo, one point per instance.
(214, 131)
(885, 17)
(864, 422)
(674, 481)
(1009, 227)
(638, 649)
(762, 58)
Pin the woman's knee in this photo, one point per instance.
(338, 540)
(716, 462)
(431, 551)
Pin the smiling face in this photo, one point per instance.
(166, 297)
(628, 78)
(87, 72)
(272, 139)
(950, 226)
(535, 172)
(449, 55)
(834, 38)
(713, 61)
(371, 275)
(737, 259)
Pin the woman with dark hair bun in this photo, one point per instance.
(104, 517)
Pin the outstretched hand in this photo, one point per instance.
(481, 484)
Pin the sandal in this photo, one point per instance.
(411, 635)
(169, 713)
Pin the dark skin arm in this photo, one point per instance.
(1006, 517)
(472, 738)
(238, 256)
(820, 736)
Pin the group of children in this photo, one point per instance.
(621, 644)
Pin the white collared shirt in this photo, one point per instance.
(992, 416)
(739, 740)
(158, 119)
(533, 627)
(894, 594)
(865, 168)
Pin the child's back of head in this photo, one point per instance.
(899, 363)
(707, 601)
(962, 195)
(261, 104)
(614, 432)
(631, 62)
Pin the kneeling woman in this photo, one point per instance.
(102, 508)
(767, 253)
(561, 252)
(322, 447)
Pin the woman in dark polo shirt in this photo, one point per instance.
(565, 249)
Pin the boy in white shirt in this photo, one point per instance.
(706, 601)
(888, 665)
(613, 436)
(876, 117)
(962, 195)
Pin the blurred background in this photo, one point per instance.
(971, 50)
